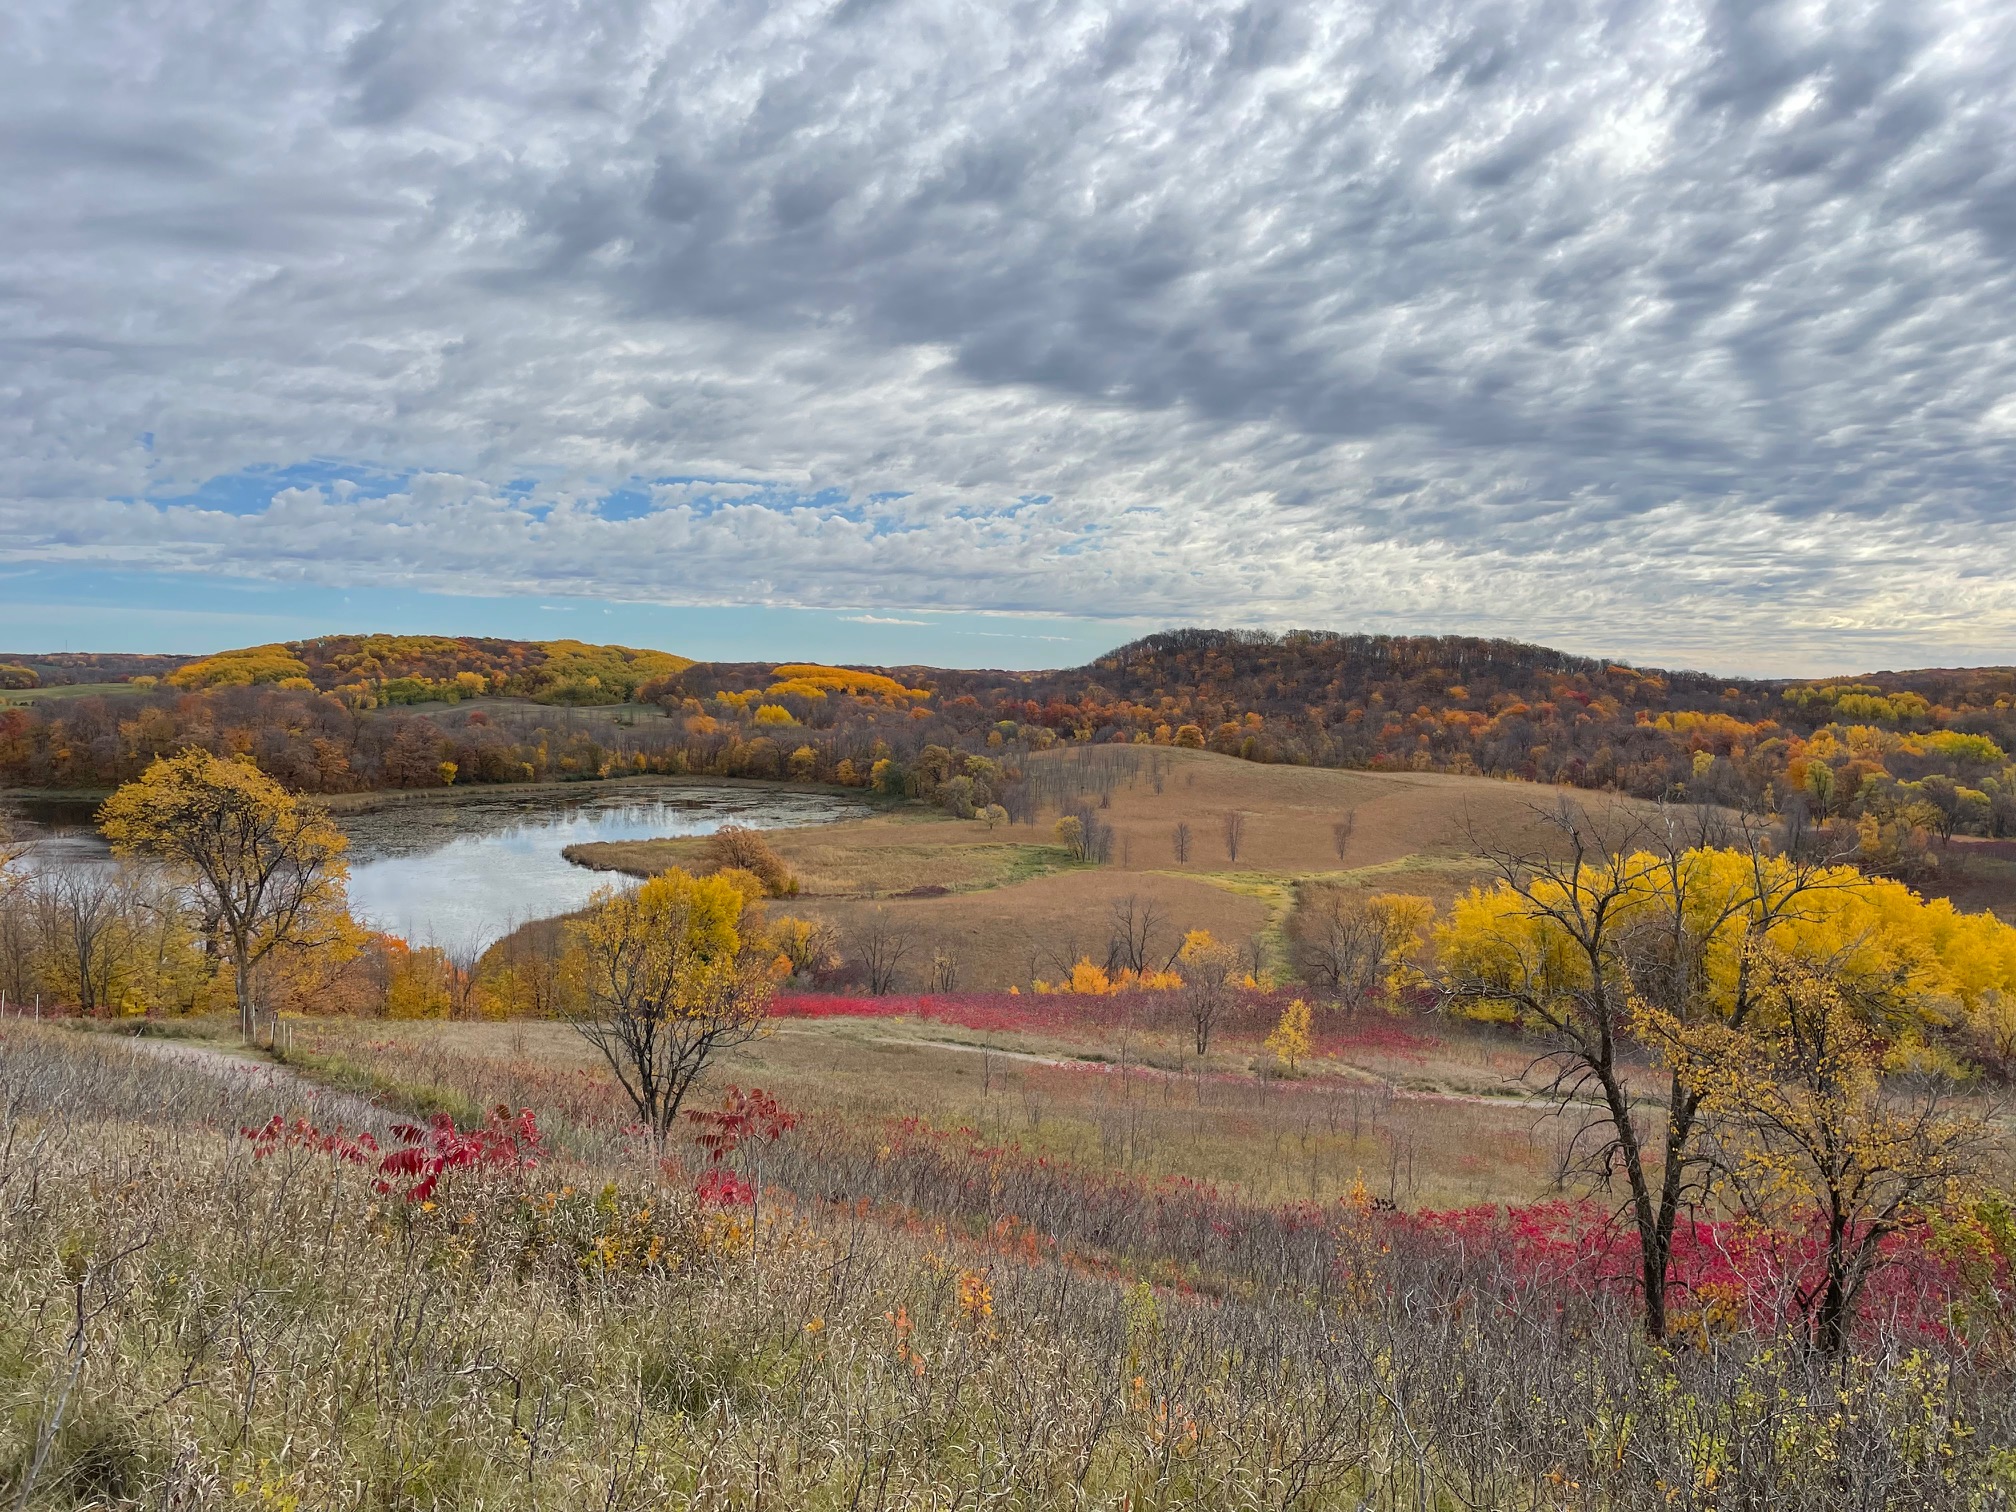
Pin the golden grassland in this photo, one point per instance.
(1007, 905)
(188, 1322)
(1428, 1119)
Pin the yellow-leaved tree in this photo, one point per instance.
(1805, 1132)
(672, 972)
(1289, 1039)
(1594, 945)
(265, 865)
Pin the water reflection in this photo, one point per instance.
(462, 875)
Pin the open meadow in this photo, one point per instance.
(233, 1283)
(1415, 1117)
(1200, 840)
(1235, 1178)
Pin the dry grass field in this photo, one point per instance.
(1977, 874)
(1429, 1118)
(23, 697)
(1008, 905)
(203, 1304)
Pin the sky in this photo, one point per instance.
(1000, 333)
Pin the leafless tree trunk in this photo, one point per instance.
(1235, 834)
(1179, 839)
(462, 961)
(1135, 923)
(944, 971)
(881, 943)
(1340, 833)
(1336, 944)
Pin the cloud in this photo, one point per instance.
(1682, 331)
(879, 619)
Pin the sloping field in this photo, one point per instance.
(1007, 905)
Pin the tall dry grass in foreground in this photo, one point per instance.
(185, 1324)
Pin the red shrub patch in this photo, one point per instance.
(425, 1152)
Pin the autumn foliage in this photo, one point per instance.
(1899, 761)
(421, 1155)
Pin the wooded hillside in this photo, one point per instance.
(1902, 755)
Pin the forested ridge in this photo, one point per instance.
(1904, 754)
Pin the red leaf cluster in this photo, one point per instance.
(424, 1154)
(723, 1188)
(742, 1116)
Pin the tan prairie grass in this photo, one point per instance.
(1441, 1128)
(1291, 818)
(183, 1325)
(1015, 907)
(882, 857)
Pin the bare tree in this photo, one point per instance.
(880, 944)
(944, 971)
(1347, 944)
(1131, 945)
(1057, 953)
(1179, 840)
(1086, 836)
(1340, 833)
(1207, 986)
(462, 960)
(1235, 833)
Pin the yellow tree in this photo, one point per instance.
(1599, 949)
(669, 980)
(266, 866)
(1560, 943)
(1290, 1037)
(1806, 1131)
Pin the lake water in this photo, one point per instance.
(464, 874)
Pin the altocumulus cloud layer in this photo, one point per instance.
(1673, 328)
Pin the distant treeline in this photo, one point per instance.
(1903, 755)
(67, 669)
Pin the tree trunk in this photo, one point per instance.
(1831, 1330)
(1652, 1253)
(241, 974)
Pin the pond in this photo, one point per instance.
(464, 873)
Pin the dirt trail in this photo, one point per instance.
(1358, 1077)
(326, 1105)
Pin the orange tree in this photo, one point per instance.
(672, 972)
(266, 866)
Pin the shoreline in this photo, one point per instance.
(374, 800)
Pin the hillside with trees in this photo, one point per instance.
(68, 669)
(1904, 759)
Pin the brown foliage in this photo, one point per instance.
(736, 847)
